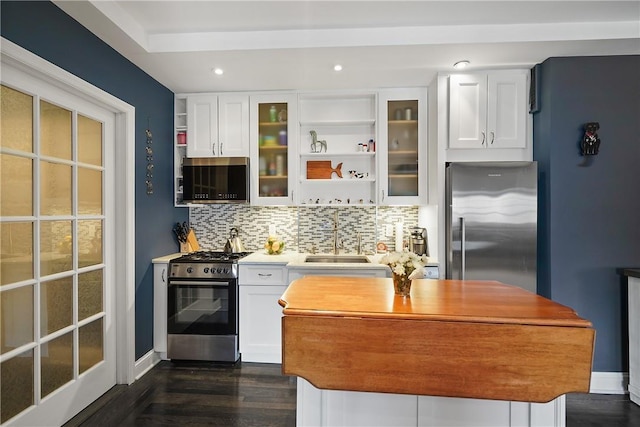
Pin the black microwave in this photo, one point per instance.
(215, 180)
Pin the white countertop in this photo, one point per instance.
(261, 256)
(166, 258)
(293, 259)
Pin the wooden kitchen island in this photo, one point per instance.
(454, 353)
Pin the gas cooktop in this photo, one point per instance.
(211, 256)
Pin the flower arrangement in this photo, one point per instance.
(405, 263)
(405, 266)
(274, 245)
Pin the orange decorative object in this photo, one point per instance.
(321, 169)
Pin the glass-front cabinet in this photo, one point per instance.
(179, 148)
(273, 148)
(403, 147)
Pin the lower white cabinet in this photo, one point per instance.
(261, 286)
(316, 407)
(160, 271)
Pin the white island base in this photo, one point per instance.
(318, 407)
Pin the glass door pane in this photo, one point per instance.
(56, 305)
(56, 363)
(16, 243)
(273, 150)
(16, 315)
(55, 131)
(16, 385)
(56, 247)
(16, 192)
(91, 344)
(403, 147)
(16, 117)
(89, 141)
(55, 188)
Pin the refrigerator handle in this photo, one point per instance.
(463, 238)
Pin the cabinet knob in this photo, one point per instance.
(483, 138)
(221, 149)
(213, 148)
(492, 137)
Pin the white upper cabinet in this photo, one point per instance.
(488, 110)
(402, 147)
(218, 125)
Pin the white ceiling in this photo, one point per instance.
(276, 45)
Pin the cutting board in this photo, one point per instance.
(192, 241)
(321, 169)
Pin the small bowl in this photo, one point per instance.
(269, 141)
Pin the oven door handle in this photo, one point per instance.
(196, 283)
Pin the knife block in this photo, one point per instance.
(185, 248)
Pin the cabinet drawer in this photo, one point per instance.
(262, 274)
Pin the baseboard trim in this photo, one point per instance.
(145, 363)
(609, 382)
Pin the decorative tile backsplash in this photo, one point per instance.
(303, 228)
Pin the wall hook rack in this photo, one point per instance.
(149, 153)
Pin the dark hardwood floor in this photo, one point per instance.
(601, 410)
(198, 394)
(256, 394)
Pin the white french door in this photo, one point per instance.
(57, 224)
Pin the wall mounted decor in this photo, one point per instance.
(590, 143)
(149, 152)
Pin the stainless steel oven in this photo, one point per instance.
(202, 307)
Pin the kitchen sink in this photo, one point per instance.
(347, 259)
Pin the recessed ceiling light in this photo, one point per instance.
(337, 67)
(218, 71)
(461, 64)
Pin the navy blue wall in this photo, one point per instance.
(589, 221)
(44, 29)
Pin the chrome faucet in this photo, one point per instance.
(359, 248)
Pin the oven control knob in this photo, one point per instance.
(226, 271)
(189, 270)
(206, 270)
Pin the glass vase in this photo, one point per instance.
(401, 285)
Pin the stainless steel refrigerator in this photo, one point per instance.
(491, 222)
